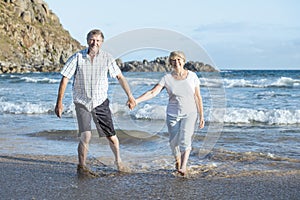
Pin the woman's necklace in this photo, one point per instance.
(179, 75)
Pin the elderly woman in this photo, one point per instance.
(185, 104)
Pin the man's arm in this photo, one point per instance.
(123, 82)
(61, 91)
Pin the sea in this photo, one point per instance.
(252, 122)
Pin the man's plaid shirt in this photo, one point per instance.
(90, 83)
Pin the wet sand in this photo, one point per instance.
(54, 177)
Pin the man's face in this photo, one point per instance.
(95, 42)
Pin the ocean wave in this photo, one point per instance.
(24, 108)
(250, 116)
(151, 112)
(39, 80)
(142, 112)
(142, 81)
(30, 78)
(28, 108)
(263, 83)
(158, 112)
(232, 116)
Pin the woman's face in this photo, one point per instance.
(177, 62)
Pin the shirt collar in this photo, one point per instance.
(85, 52)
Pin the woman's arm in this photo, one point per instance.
(199, 104)
(149, 94)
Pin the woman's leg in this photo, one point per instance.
(186, 133)
(173, 124)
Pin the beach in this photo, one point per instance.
(54, 177)
(251, 151)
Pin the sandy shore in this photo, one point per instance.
(54, 177)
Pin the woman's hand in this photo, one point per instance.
(202, 123)
(131, 103)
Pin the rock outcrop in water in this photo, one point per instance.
(161, 64)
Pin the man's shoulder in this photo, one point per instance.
(80, 52)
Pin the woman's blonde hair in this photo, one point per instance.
(176, 54)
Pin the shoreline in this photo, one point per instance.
(54, 177)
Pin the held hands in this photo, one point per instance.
(131, 103)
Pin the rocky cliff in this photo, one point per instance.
(33, 39)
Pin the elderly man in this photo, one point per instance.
(90, 67)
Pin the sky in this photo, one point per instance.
(249, 34)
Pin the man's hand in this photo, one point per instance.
(58, 110)
(61, 91)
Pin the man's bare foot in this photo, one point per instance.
(121, 167)
(83, 171)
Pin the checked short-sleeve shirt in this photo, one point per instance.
(90, 83)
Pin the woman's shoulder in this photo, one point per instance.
(192, 74)
(167, 75)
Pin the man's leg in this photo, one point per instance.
(83, 147)
(115, 147)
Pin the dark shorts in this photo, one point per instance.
(101, 116)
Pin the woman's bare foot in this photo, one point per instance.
(182, 171)
(178, 163)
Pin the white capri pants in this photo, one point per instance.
(181, 130)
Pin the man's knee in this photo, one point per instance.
(113, 139)
(85, 137)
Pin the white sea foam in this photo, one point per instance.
(142, 81)
(262, 83)
(158, 112)
(39, 80)
(141, 112)
(233, 115)
(32, 108)
(151, 112)
(24, 108)
(248, 116)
